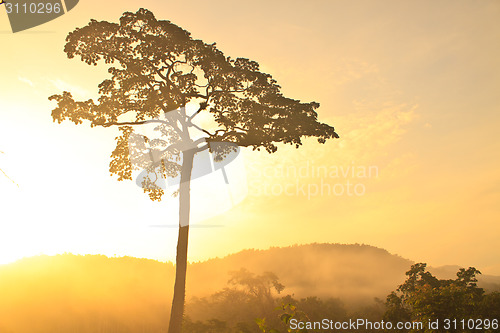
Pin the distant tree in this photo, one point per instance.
(246, 297)
(423, 297)
(160, 70)
(260, 287)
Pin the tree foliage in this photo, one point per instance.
(423, 297)
(156, 67)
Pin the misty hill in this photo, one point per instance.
(349, 272)
(65, 287)
(346, 271)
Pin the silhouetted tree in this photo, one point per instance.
(160, 69)
(247, 296)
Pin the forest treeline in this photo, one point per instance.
(247, 305)
(94, 293)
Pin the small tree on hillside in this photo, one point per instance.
(156, 70)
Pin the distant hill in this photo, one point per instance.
(352, 272)
(349, 272)
(65, 287)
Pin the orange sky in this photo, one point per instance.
(411, 87)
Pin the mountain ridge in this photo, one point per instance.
(346, 271)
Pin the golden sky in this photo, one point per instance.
(412, 88)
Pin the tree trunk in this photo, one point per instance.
(177, 312)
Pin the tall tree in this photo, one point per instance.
(156, 69)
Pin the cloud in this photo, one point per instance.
(379, 130)
(347, 70)
(369, 133)
(25, 80)
(76, 91)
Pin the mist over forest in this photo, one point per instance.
(96, 293)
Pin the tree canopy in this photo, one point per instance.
(156, 67)
(424, 298)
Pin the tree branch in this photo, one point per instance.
(124, 123)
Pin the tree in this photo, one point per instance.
(160, 69)
(247, 296)
(424, 298)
